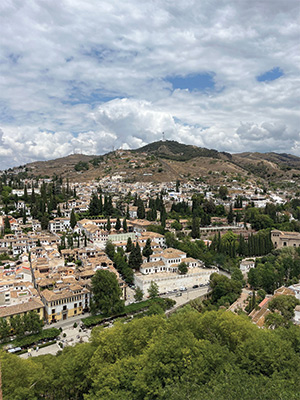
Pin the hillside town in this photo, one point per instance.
(50, 255)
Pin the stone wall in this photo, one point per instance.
(169, 282)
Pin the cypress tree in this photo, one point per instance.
(7, 225)
(129, 245)
(118, 224)
(147, 251)
(124, 225)
(195, 233)
(25, 194)
(73, 221)
(108, 225)
(230, 215)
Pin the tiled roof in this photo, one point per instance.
(30, 305)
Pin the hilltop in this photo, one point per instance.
(164, 161)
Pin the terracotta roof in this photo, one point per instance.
(21, 308)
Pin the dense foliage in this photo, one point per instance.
(213, 355)
(281, 267)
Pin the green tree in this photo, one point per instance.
(140, 209)
(135, 257)
(147, 251)
(124, 225)
(153, 290)
(195, 233)
(230, 215)
(7, 229)
(73, 220)
(139, 294)
(182, 268)
(108, 225)
(223, 192)
(110, 250)
(4, 329)
(106, 294)
(118, 224)
(285, 305)
(129, 245)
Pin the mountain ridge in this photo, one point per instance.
(164, 161)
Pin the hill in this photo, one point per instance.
(173, 150)
(165, 161)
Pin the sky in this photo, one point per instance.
(88, 76)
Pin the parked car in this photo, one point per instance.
(195, 286)
(14, 350)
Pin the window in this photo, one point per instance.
(80, 304)
(53, 310)
(75, 305)
(64, 308)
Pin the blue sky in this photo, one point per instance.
(271, 75)
(193, 82)
(88, 76)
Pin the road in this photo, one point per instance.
(187, 295)
(68, 322)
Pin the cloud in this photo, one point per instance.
(86, 76)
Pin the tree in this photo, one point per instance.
(285, 304)
(176, 225)
(108, 225)
(223, 192)
(182, 268)
(195, 233)
(4, 328)
(147, 251)
(95, 206)
(129, 245)
(153, 290)
(139, 294)
(24, 215)
(106, 294)
(135, 257)
(118, 224)
(73, 221)
(124, 225)
(140, 209)
(7, 229)
(230, 215)
(177, 185)
(110, 250)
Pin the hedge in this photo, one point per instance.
(46, 334)
(133, 308)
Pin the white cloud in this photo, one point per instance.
(62, 62)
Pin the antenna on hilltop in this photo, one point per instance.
(163, 137)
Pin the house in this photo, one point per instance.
(285, 239)
(22, 308)
(63, 303)
(59, 225)
(246, 265)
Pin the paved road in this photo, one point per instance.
(187, 296)
(68, 322)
